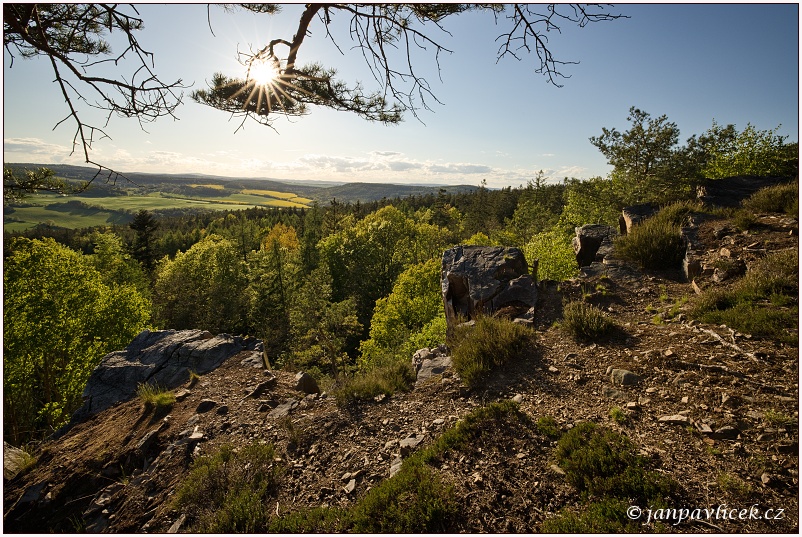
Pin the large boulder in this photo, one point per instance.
(484, 280)
(633, 215)
(731, 191)
(592, 243)
(163, 358)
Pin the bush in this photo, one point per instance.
(775, 199)
(415, 500)
(600, 463)
(489, 343)
(384, 380)
(228, 491)
(583, 321)
(656, 243)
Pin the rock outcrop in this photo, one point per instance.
(592, 243)
(633, 215)
(484, 280)
(164, 358)
(731, 191)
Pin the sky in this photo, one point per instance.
(499, 121)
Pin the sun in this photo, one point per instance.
(263, 72)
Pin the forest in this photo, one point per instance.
(341, 290)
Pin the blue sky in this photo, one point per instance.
(499, 121)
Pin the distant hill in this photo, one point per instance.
(321, 191)
(365, 192)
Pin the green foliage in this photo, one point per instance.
(608, 515)
(382, 380)
(430, 335)
(733, 485)
(618, 415)
(273, 276)
(415, 500)
(115, 265)
(554, 255)
(489, 343)
(584, 321)
(750, 152)
(413, 303)
(321, 327)
(59, 319)
(600, 463)
(778, 419)
(656, 243)
(155, 396)
(228, 491)
(775, 199)
(595, 201)
(644, 158)
(203, 287)
(751, 305)
(364, 259)
(548, 426)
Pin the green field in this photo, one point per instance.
(46, 208)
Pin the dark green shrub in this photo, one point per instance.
(547, 426)
(415, 500)
(775, 199)
(605, 516)
(601, 463)
(584, 321)
(489, 343)
(228, 491)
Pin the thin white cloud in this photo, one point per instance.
(459, 168)
(34, 146)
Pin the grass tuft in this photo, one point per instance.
(384, 380)
(155, 396)
(489, 343)
(583, 321)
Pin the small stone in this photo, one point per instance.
(222, 410)
(704, 428)
(632, 405)
(727, 432)
(668, 353)
(556, 469)
(676, 419)
(622, 377)
(346, 476)
(518, 398)
(685, 400)
(438, 422)
(205, 406)
(553, 369)
(350, 487)
(306, 383)
(182, 394)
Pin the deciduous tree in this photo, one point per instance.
(59, 319)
